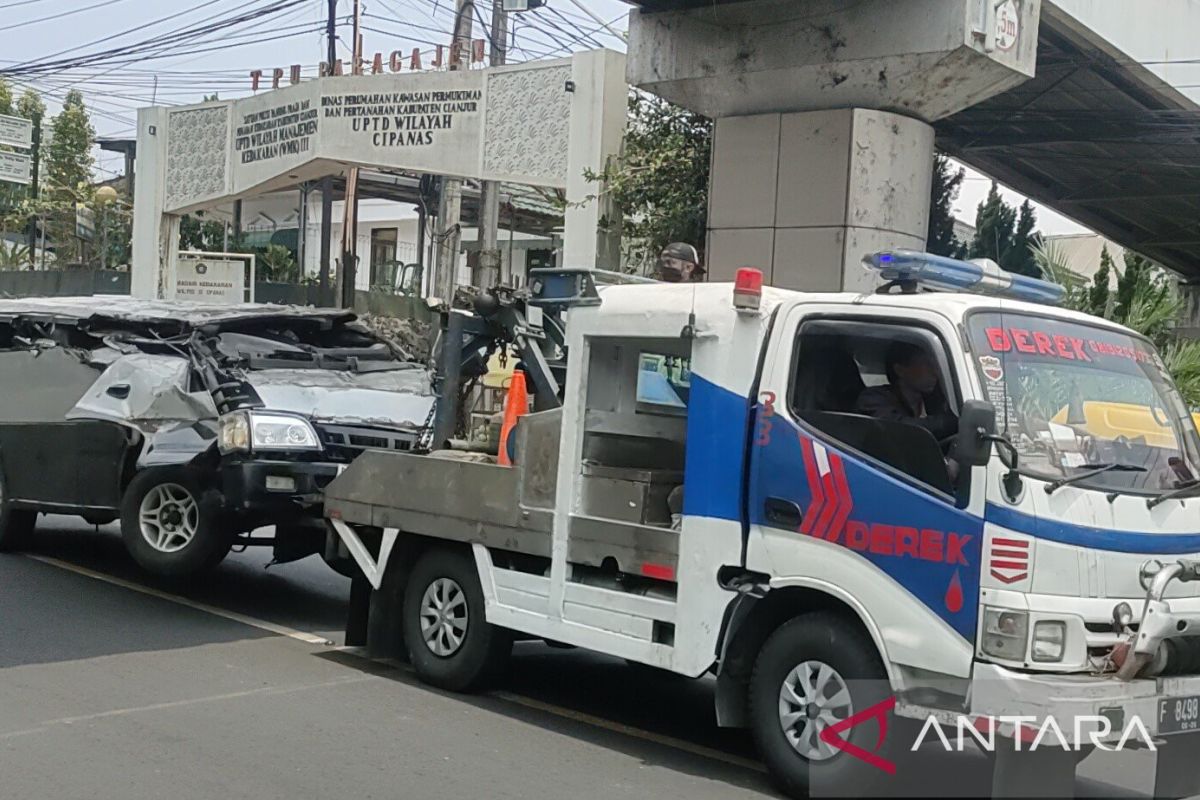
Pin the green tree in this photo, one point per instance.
(30, 106)
(197, 233)
(1097, 300)
(68, 174)
(1006, 235)
(659, 185)
(1020, 258)
(942, 193)
(69, 159)
(6, 97)
(1145, 299)
(277, 264)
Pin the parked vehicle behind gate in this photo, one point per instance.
(192, 425)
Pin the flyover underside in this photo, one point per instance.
(1097, 138)
(1093, 135)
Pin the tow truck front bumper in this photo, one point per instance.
(1078, 702)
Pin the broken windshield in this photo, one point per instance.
(1075, 398)
(308, 347)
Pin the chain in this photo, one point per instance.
(425, 437)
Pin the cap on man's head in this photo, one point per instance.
(681, 250)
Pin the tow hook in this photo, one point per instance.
(1158, 624)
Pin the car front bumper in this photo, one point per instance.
(266, 487)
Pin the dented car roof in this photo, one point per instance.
(121, 308)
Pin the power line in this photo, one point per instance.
(39, 20)
(155, 43)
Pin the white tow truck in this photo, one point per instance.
(730, 479)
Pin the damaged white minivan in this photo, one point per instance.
(192, 425)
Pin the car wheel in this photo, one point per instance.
(16, 524)
(814, 672)
(449, 642)
(169, 525)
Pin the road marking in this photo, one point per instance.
(584, 718)
(261, 624)
(627, 730)
(120, 712)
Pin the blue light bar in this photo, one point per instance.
(951, 274)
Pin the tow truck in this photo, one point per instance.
(698, 489)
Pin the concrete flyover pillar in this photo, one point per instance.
(824, 147)
(804, 195)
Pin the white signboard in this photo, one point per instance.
(15, 167)
(201, 279)
(429, 121)
(16, 132)
(1008, 25)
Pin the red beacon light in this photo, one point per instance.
(747, 289)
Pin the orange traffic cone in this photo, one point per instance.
(515, 405)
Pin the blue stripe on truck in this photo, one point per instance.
(716, 446)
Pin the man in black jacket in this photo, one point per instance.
(911, 395)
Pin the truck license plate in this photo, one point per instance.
(1179, 715)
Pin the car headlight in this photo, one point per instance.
(1005, 633)
(241, 431)
(1049, 640)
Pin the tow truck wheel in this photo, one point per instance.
(16, 525)
(169, 526)
(449, 642)
(814, 672)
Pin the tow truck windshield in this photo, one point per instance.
(1085, 405)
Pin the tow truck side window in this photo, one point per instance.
(847, 385)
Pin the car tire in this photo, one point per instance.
(796, 655)
(450, 643)
(171, 526)
(16, 524)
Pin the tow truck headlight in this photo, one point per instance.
(1049, 640)
(257, 430)
(1005, 633)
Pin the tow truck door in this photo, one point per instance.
(853, 506)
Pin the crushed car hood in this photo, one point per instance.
(128, 309)
(400, 398)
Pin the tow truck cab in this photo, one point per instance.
(982, 553)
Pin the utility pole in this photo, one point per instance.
(349, 268)
(327, 181)
(35, 155)
(450, 204)
(489, 205)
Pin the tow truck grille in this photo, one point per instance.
(345, 442)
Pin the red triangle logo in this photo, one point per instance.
(879, 712)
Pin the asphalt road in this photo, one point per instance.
(110, 688)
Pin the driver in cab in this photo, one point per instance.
(911, 395)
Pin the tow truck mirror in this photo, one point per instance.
(976, 426)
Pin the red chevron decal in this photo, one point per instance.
(847, 500)
(1008, 560)
(814, 486)
(833, 503)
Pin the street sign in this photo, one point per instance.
(204, 278)
(16, 131)
(85, 222)
(16, 168)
